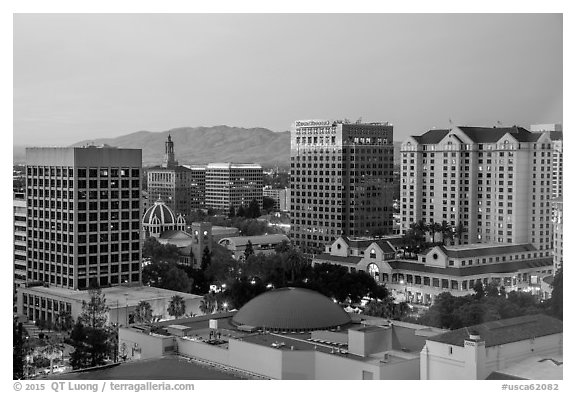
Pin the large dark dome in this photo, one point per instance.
(291, 309)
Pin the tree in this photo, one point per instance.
(208, 303)
(94, 312)
(386, 309)
(556, 302)
(447, 231)
(433, 228)
(492, 289)
(268, 204)
(206, 258)
(177, 307)
(283, 247)
(253, 209)
(478, 290)
(231, 212)
(143, 312)
(79, 358)
(459, 231)
(64, 321)
(249, 250)
(241, 211)
(17, 350)
(177, 280)
(158, 252)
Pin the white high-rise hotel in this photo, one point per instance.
(496, 182)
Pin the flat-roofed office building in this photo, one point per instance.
(341, 181)
(83, 208)
(229, 184)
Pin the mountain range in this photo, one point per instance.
(201, 145)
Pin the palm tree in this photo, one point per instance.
(459, 231)
(177, 307)
(143, 312)
(208, 303)
(447, 231)
(433, 228)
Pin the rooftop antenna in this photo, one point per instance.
(450, 121)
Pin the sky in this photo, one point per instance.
(83, 76)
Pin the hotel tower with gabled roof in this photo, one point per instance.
(495, 182)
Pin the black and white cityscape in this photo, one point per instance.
(288, 197)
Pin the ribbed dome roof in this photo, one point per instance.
(160, 211)
(291, 309)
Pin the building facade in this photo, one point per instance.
(454, 269)
(198, 186)
(495, 182)
(341, 181)
(281, 197)
(83, 208)
(556, 135)
(236, 185)
(558, 237)
(527, 347)
(20, 243)
(171, 182)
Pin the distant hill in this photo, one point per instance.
(201, 145)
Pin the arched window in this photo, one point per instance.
(374, 271)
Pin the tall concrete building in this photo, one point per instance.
(556, 135)
(83, 209)
(20, 229)
(171, 182)
(496, 182)
(230, 184)
(557, 233)
(341, 181)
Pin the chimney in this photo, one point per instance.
(474, 356)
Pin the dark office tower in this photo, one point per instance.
(341, 181)
(83, 206)
(171, 182)
(198, 185)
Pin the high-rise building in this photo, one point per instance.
(235, 185)
(341, 181)
(198, 186)
(495, 182)
(83, 209)
(171, 182)
(557, 233)
(556, 135)
(20, 230)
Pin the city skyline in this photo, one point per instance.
(159, 71)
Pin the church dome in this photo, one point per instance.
(159, 214)
(291, 309)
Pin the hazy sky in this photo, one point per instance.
(82, 76)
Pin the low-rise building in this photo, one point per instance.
(455, 269)
(47, 303)
(264, 244)
(288, 333)
(527, 347)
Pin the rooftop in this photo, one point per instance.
(479, 250)
(255, 240)
(505, 331)
(118, 295)
(501, 267)
(548, 367)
